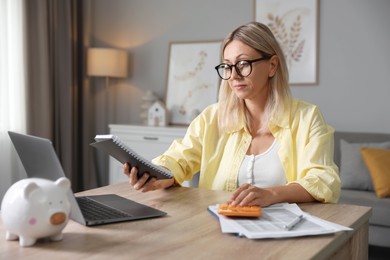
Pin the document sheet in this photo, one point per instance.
(277, 221)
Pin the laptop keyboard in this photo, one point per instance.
(93, 210)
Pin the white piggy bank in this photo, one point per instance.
(35, 208)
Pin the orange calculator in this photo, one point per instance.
(239, 211)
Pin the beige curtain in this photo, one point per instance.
(12, 89)
(58, 98)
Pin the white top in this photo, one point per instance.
(263, 170)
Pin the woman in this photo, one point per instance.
(256, 141)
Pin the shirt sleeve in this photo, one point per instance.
(183, 156)
(316, 170)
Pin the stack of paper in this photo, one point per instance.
(277, 221)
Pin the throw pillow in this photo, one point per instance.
(378, 163)
(353, 171)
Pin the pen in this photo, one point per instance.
(295, 221)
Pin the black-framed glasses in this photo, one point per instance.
(243, 68)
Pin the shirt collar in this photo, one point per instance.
(282, 119)
(279, 120)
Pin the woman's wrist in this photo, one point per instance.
(175, 183)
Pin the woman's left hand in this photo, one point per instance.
(249, 195)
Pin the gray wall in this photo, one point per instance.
(354, 38)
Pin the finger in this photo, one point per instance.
(126, 169)
(238, 192)
(247, 196)
(237, 200)
(234, 201)
(150, 185)
(154, 184)
(133, 178)
(249, 199)
(141, 181)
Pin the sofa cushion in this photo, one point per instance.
(378, 164)
(354, 173)
(380, 207)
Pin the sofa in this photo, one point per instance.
(347, 150)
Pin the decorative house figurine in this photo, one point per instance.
(36, 208)
(157, 114)
(147, 100)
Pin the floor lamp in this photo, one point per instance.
(107, 62)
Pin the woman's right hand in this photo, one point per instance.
(145, 183)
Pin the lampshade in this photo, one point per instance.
(106, 62)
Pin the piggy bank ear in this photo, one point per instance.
(29, 189)
(63, 182)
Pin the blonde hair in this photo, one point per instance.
(232, 112)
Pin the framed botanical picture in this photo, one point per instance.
(192, 82)
(295, 25)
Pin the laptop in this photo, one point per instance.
(40, 161)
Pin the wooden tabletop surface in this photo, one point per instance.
(188, 231)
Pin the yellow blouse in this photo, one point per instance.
(306, 151)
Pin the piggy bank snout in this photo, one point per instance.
(58, 218)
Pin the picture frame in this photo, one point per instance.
(295, 25)
(192, 82)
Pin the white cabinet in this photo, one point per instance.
(147, 141)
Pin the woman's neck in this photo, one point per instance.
(256, 110)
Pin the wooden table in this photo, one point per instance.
(189, 231)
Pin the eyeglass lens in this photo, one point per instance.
(243, 68)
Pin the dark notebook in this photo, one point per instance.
(113, 146)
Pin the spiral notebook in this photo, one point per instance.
(113, 146)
